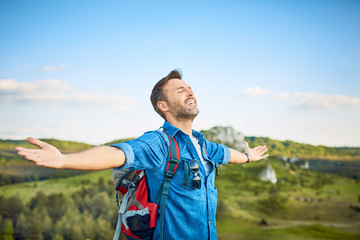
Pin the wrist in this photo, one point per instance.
(247, 157)
(64, 162)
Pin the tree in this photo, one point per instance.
(41, 223)
(8, 230)
(103, 229)
(14, 208)
(100, 205)
(57, 237)
(77, 232)
(3, 205)
(23, 228)
(88, 224)
(56, 206)
(39, 199)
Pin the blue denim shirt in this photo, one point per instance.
(189, 212)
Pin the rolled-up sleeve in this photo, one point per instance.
(129, 154)
(226, 158)
(145, 152)
(218, 152)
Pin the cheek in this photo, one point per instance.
(177, 99)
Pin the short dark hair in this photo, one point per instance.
(157, 93)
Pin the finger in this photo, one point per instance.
(36, 142)
(30, 154)
(32, 157)
(246, 145)
(262, 151)
(22, 151)
(259, 147)
(256, 148)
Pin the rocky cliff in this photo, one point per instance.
(227, 136)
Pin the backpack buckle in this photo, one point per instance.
(168, 175)
(174, 160)
(132, 184)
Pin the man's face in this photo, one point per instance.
(181, 102)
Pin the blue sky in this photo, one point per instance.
(84, 70)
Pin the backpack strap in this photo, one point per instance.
(172, 163)
(216, 164)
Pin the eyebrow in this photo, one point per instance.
(182, 87)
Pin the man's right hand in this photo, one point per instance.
(94, 158)
(46, 156)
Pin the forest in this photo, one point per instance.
(86, 214)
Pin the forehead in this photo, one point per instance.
(174, 84)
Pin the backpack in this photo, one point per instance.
(137, 215)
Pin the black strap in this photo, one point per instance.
(172, 164)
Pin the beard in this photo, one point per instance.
(182, 113)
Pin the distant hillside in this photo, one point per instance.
(15, 169)
(305, 151)
(118, 141)
(64, 146)
(229, 137)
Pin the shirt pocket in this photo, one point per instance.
(183, 178)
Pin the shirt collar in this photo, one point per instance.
(172, 130)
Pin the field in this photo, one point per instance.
(39, 203)
(303, 204)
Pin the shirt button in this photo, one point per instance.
(208, 201)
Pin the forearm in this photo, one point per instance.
(237, 157)
(95, 158)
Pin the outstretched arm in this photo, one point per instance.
(95, 158)
(255, 154)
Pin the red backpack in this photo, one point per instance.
(137, 215)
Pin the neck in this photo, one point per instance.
(183, 125)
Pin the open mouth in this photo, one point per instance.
(190, 102)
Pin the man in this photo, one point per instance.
(190, 208)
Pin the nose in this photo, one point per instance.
(190, 92)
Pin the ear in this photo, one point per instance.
(162, 105)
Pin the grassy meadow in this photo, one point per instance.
(302, 204)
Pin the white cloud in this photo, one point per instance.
(55, 93)
(282, 96)
(331, 102)
(52, 68)
(317, 100)
(255, 91)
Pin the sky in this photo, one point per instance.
(84, 70)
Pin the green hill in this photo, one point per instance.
(303, 204)
(15, 169)
(305, 151)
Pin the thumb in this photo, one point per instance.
(36, 142)
(246, 146)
